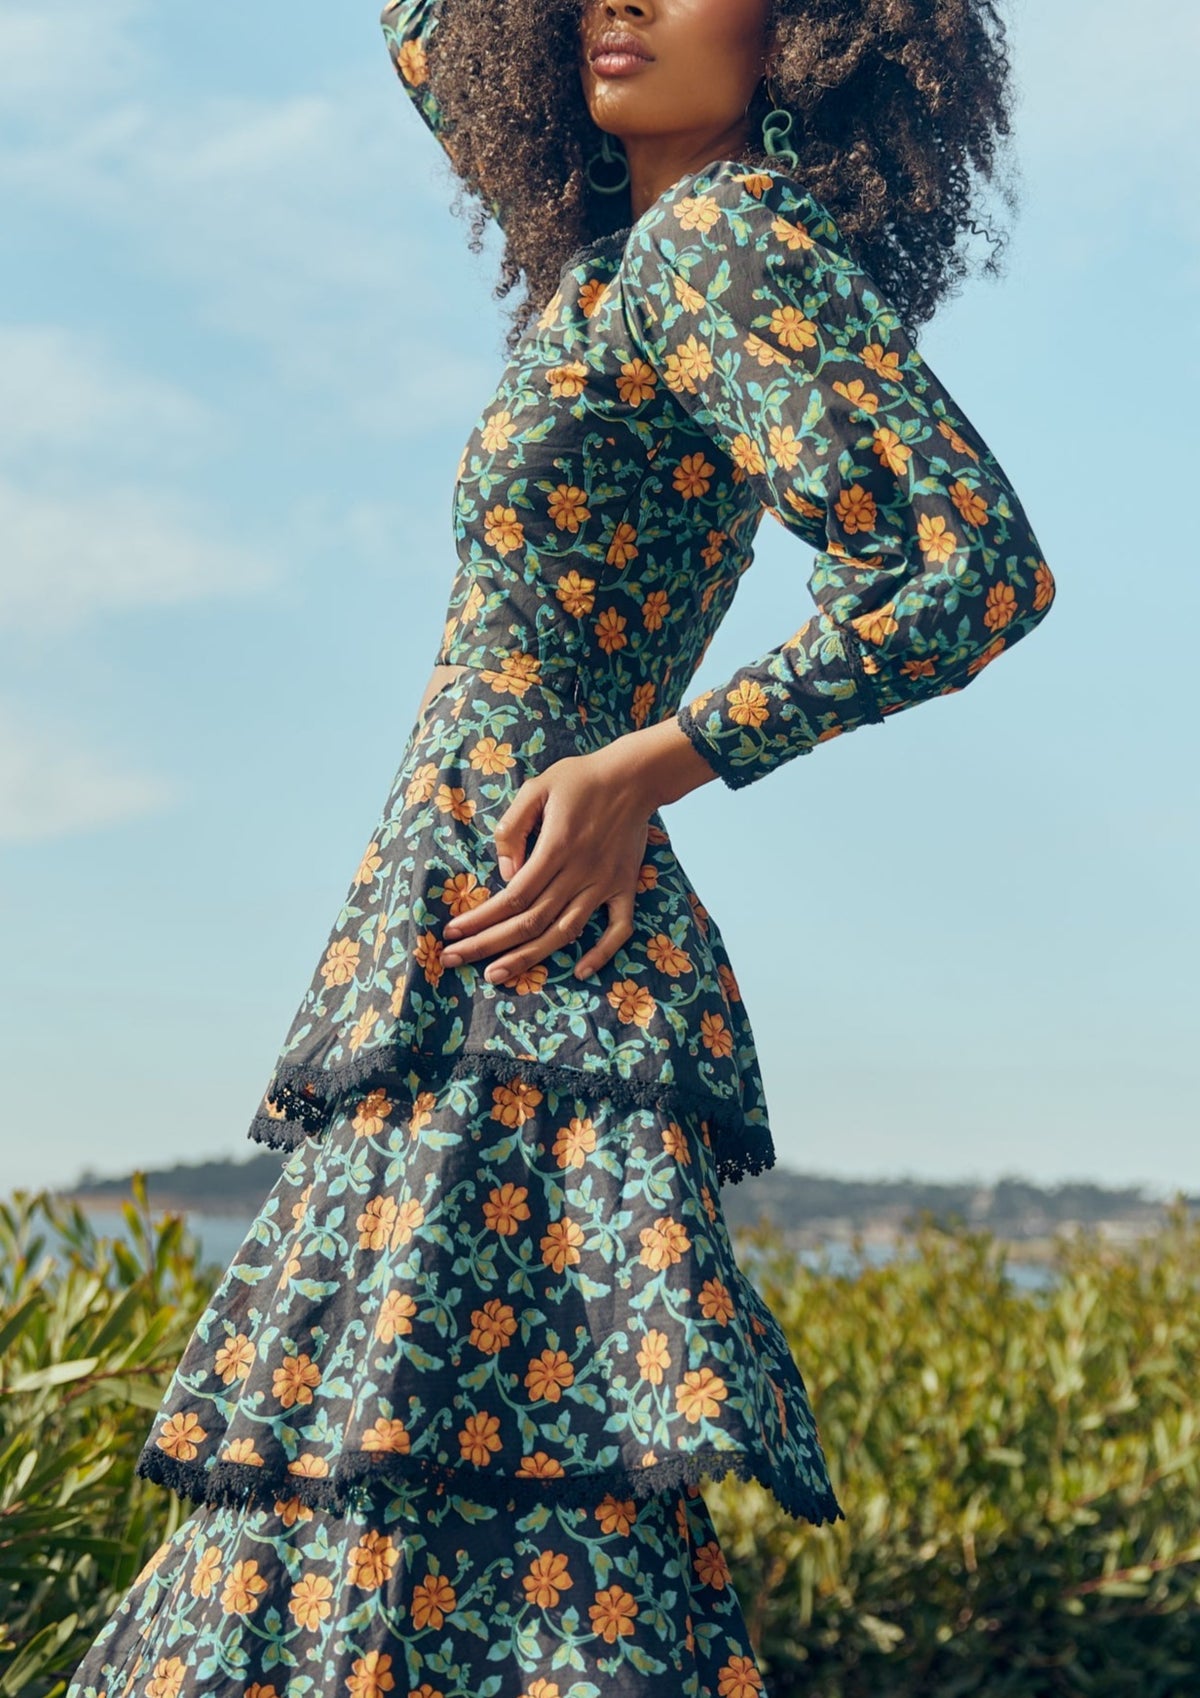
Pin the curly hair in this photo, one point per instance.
(898, 107)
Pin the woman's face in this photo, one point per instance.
(703, 61)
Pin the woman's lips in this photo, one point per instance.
(619, 60)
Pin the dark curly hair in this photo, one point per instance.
(897, 106)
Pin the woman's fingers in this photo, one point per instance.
(615, 933)
(524, 923)
(528, 881)
(515, 824)
(561, 931)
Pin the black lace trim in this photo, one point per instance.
(241, 1482)
(738, 1149)
(735, 778)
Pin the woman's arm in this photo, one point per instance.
(408, 27)
(744, 300)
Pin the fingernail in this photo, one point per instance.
(451, 958)
(506, 867)
(496, 974)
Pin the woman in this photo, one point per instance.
(446, 1417)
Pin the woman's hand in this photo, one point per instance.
(592, 812)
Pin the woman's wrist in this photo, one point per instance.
(659, 761)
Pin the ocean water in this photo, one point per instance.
(220, 1237)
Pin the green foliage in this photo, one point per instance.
(1020, 1473)
(90, 1330)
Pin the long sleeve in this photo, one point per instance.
(408, 28)
(744, 299)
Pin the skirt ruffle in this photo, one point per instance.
(432, 1595)
(521, 1294)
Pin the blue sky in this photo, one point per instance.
(242, 341)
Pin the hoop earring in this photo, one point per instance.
(606, 156)
(776, 127)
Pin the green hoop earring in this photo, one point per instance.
(776, 127)
(606, 156)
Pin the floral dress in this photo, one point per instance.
(445, 1419)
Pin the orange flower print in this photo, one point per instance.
(390, 1435)
(643, 701)
(498, 431)
(243, 1451)
(693, 476)
(616, 1515)
(502, 530)
(654, 1357)
(568, 508)
(655, 609)
(295, 1380)
(395, 1317)
(1000, 606)
(801, 504)
(399, 992)
(371, 1676)
(748, 704)
(529, 980)
(410, 1216)
(647, 877)
(856, 510)
(369, 865)
(988, 655)
(690, 298)
(234, 1359)
(890, 451)
(883, 363)
(181, 1437)
(463, 892)
(560, 1244)
(728, 982)
(411, 63)
(291, 1510)
(623, 546)
(340, 963)
(959, 445)
(492, 1326)
(746, 455)
(783, 445)
(663, 1243)
(675, 1143)
(699, 1397)
(766, 353)
(687, 367)
(793, 236)
(568, 380)
(858, 395)
(167, 1679)
(363, 1028)
(574, 1142)
(668, 957)
(539, 1466)
(636, 382)
(716, 1303)
(421, 786)
(591, 296)
(207, 1573)
(935, 539)
(243, 1588)
(547, 1375)
(610, 630)
(876, 626)
(432, 1602)
(257, 1690)
(479, 1439)
(370, 1115)
(514, 1102)
(506, 1207)
(715, 1035)
(1043, 580)
(575, 593)
(422, 1113)
(633, 1002)
(739, 1678)
(517, 672)
(375, 1223)
(548, 1578)
(613, 1613)
(697, 212)
(453, 799)
(488, 756)
(372, 1560)
(970, 503)
(711, 1566)
(540, 1688)
(309, 1602)
(795, 331)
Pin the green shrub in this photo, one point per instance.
(90, 1329)
(1020, 1472)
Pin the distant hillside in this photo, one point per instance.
(804, 1204)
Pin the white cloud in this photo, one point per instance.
(52, 784)
(68, 556)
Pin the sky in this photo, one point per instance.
(242, 342)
